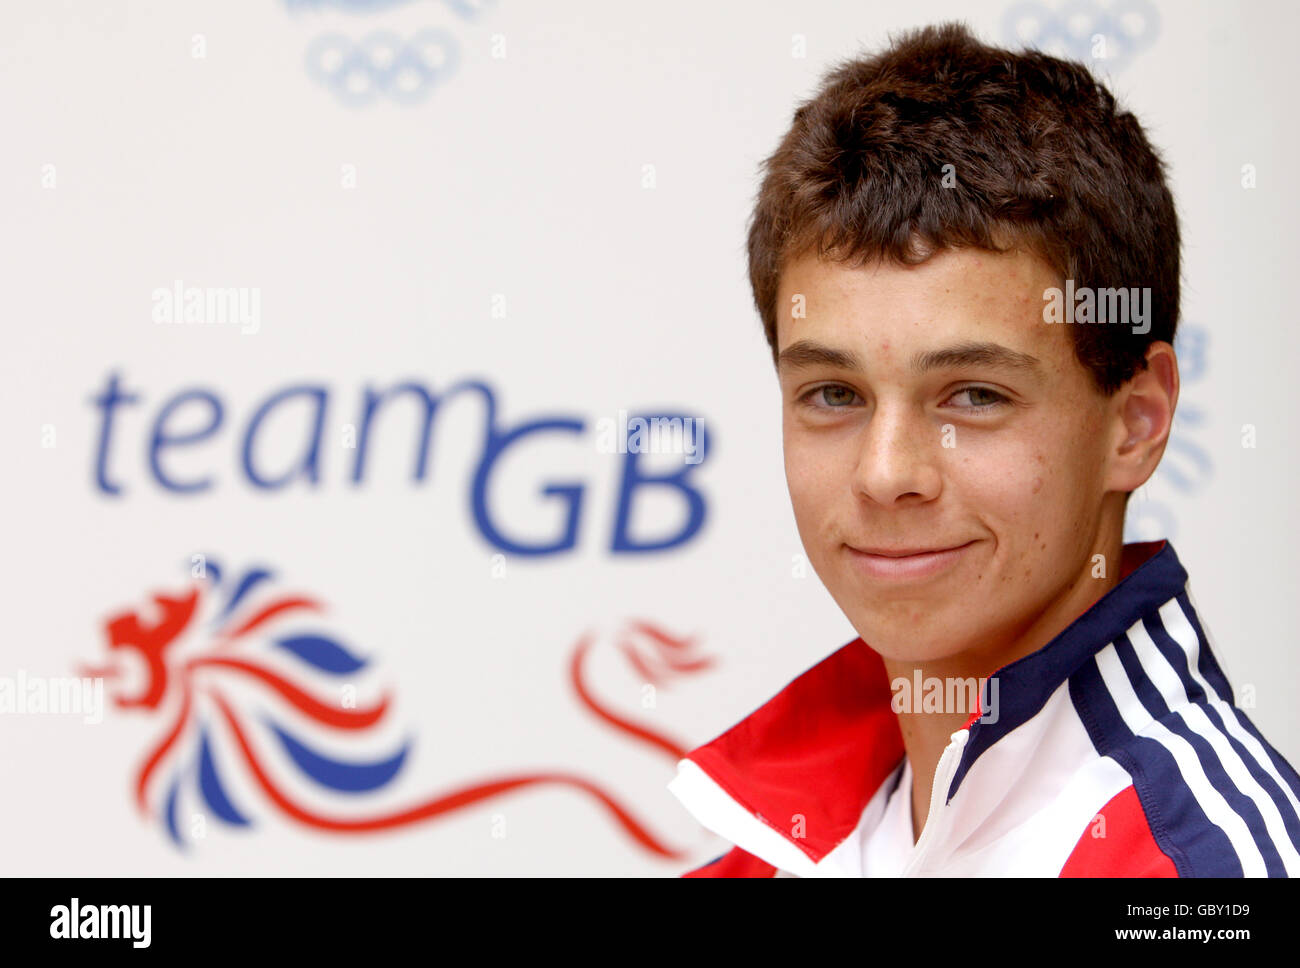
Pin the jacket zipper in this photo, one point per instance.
(943, 774)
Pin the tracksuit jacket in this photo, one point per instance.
(1117, 750)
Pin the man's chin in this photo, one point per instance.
(911, 651)
(908, 640)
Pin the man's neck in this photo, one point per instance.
(926, 734)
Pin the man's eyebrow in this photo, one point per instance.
(804, 354)
(973, 354)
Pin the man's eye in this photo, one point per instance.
(980, 398)
(833, 397)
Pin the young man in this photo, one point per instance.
(934, 243)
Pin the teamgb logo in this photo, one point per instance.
(208, 644)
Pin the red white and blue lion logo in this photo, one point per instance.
(191, 657)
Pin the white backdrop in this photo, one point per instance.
(552, 207)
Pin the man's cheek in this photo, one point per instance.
(803, 500)
(1026, 478)
(810, 487)
(809, 519)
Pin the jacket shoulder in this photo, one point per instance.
(1211, 797)
(1218, 799)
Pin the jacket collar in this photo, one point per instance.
(815, 756)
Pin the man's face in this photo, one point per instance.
(958, 422)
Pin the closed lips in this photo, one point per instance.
(907, 552)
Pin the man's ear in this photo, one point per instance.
(1143, 418)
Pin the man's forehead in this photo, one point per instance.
(957, 297)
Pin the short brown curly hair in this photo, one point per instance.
(1042, 159)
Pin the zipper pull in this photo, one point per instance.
(943, 774)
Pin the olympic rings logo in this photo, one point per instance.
(1128, 26)
(383, 63)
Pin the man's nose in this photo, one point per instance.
(898, 459)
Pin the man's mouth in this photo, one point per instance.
(906, 563)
